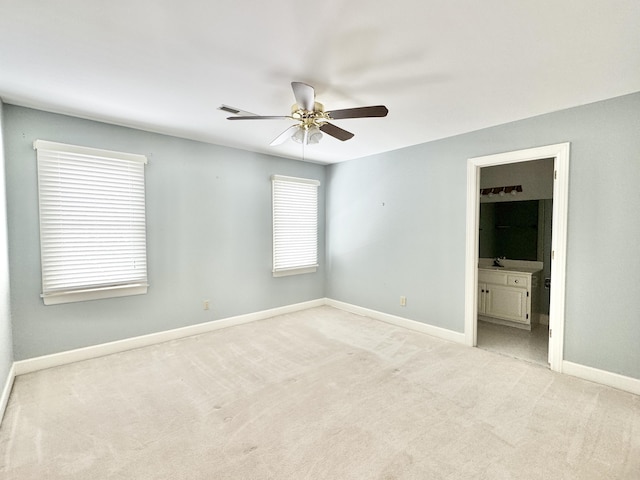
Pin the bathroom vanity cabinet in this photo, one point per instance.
(509, 296)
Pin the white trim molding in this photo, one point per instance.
(560, 154)
(95, 351)
(35, 364)
(22, 367)
(6, 391)
(434, 331)
(615, 380)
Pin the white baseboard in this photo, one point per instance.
(94, 351)
(603, 377)
(6, 391)
(21, 367)
(438, 332)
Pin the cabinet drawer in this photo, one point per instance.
(517, 280)
(497, 278)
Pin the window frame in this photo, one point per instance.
(280, 268)
(126, 172)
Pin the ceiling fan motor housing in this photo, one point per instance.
(309, 118)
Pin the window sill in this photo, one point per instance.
(93, 294)
(295, 271)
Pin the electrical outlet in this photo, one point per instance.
(205, 304)
(403, 301)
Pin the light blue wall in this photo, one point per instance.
(208, 232)
(396, 226)
(6, 349)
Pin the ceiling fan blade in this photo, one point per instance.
(236, 111)
(284, 136)
(261, 117)
(305, 95)
(359, 112)
(336, 132)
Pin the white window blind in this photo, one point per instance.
(295, 225)
(92, 223)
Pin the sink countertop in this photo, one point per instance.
(511, 269)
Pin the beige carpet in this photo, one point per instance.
(320, 394)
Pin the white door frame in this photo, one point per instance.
(560, 154)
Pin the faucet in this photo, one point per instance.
(497, 262)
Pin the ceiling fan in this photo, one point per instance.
(311, 117)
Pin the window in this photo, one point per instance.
(295, 225)
(92, 223)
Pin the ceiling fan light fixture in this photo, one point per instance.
(314, 135)
(298, 135)
(307, 136)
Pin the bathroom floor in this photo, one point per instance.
(532, 346)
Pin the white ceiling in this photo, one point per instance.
(442, 68)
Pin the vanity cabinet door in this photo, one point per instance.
(509, 303)
(482, 288)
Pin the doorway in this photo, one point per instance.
(515, 232)
(560, 155)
